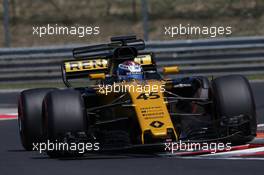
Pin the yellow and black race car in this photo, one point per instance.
(131, 104)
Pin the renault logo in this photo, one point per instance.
(156, 124)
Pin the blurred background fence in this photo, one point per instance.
(28, 58)
(241, 55)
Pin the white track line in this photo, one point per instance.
(222, 158)
(15, 113)
(236, 152)
(261, 125)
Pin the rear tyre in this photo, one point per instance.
(64, 112)
(235, 107)
(30, 116)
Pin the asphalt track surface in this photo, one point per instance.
(14, 160)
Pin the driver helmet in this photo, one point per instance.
(129, 70)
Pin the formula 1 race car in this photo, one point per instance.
(143, 107)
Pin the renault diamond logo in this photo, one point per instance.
(156, 124)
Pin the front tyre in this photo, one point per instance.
(64, 112)
(235, 108)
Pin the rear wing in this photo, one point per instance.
(83, 68)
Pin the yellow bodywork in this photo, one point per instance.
(143, 60)
(97, 76)
(171, 70)
(85, 65)
(99, 64)
(151, 109)
(147, 96)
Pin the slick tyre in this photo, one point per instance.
(30, 116)
(64, 112)
(235, 107)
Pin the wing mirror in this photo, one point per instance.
(97, 76)
(171, 70)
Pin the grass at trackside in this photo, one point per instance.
(256, 77)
